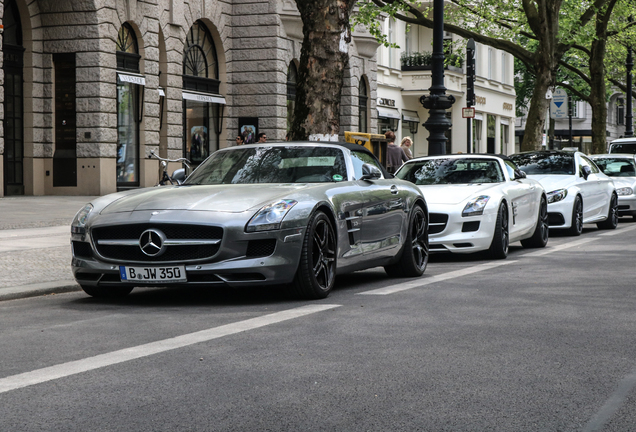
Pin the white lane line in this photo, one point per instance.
(103, 360)
(433, 279)
(613, 404)
(561, 247)
(618, 231)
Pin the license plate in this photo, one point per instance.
(152, 274)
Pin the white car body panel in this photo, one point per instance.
(522, 196)
(626, 203)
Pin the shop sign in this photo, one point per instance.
(386, 102)
(507, 106)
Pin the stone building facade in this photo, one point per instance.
(92, 87)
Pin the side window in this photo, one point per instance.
(592, 165)
(510, 167)
(359, 158)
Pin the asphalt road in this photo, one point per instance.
(542, 341)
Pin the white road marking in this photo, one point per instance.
(618, 231)
(103, 360)
(433, 279)
(613, 404)
(558, 248)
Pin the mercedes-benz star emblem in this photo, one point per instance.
(152, 242)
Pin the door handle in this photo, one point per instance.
(394, 190)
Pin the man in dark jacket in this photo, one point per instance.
(395, 156)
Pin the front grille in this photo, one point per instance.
(82, 249)
(172, 232)
(623, 207)
(260, 248)
(437, 222)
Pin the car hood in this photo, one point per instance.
(221, 198)
(553, 182)
(454, 194)
(621, 182)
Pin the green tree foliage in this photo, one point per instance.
(537, 33)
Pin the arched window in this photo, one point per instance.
(363, 101)
(13, 100)
(292, 82)
(202, 104)
(129, 93)
(199, 58)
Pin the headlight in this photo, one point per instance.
(475, 206)
(270, 216)
(79, 221)
(625, 191)
(557, 195)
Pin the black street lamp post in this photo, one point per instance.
(629, 64)
(438, 101)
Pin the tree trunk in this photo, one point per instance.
(535, 124)
(323, 59)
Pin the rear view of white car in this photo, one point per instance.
(479, 203)
(621, 168)
(578, 192)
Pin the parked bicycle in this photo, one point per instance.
(177, 177)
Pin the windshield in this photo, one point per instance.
(545, 163)
(452, 171)
(615, 167)
(623, 148)
(293, 164)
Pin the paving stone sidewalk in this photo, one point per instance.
(35, 252)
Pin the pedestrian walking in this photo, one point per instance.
(395, 156)
(406, 144)
(262, 137)
(239, 140)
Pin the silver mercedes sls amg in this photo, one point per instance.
(255, 215)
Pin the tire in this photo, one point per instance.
(414, 255)
(577, 218)
(316, 272)
(612, 215)
(539, 238)
(501, 238)
(101, 292)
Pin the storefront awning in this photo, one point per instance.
(203, 97)
(410, 116)
(131, 78)
(390, 113)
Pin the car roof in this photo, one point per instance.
(548, 152)
(613, 156)
(624, 141)
(463, 155)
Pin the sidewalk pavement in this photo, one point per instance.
(35, 250)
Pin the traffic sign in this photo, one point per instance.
(559, 104)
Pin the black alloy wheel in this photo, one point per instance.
(316, 272)
(414, 256)
(577, 218)
(501, 238)
(612, 215)
(540, 236)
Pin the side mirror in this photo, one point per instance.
(179, 175)
(370, 172)
(519, 174)
(586, 171)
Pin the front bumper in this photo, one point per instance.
(461, 234)
(560, 213)
(627, 205)
(236, 263)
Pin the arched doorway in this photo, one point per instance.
(13, 53)
(202, 104)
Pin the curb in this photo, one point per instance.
(36, 290)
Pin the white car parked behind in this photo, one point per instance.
(478, 203)
(622, 169)
(578, 192)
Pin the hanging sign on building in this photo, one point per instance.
(131, 78)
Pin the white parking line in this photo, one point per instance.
(433, 279)
(75, 367)
(613, 404)
(558, 248)
(618, 231)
